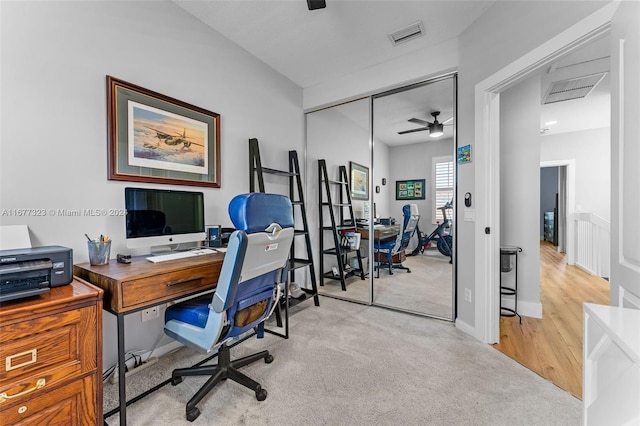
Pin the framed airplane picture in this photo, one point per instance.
(157, 139)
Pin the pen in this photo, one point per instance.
(87, 237)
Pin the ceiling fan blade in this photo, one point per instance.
(422, 129)
(447, 121)
(419, 121)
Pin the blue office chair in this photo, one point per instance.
(246, 294)
(392, 247)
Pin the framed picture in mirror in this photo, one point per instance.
(359, 181)
(410, 189)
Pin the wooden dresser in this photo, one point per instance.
(51, 357)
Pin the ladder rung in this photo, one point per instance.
(297, 203)
(330, 251)
(300, 232)
(299, 263)
(278, 172)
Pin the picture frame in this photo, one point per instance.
(158, 139)
(464, 154)
(359, 181)
(414, 189)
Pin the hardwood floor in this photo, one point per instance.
(552, 346)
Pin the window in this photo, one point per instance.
(442, 185)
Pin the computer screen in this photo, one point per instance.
(158, 217)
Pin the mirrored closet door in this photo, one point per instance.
(396, 150)
(414, 186)
(338, 142)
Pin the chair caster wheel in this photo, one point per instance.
(268, 359)
(193, 414)
(408, 271)
(176, 381)
(261, 394)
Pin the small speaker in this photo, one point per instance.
(214, 236)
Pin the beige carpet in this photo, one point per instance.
(349, 364)
(427, 289)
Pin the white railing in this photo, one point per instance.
(591, 243)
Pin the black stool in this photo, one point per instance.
(506, 266)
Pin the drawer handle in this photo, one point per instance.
(34, 357)
(39, 384)
(184, 282)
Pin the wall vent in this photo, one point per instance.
(573, 88)
(407, 33)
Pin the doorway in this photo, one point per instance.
(487, 171)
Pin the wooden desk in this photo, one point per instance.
(381, 232)
(141, 284)
(51, 357)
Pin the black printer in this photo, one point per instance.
(30, 271)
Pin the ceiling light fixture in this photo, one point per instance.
(436, 130)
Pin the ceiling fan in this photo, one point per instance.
(316, 4)
(435, 129)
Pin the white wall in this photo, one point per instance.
(520, 190)
(403, 166)
(506, 32)
(412, 67)
(381, 169)
(591, 150)
(484, 51)
(53, 151)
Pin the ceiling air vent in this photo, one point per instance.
(407, 33)
(573, 88)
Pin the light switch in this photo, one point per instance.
(469, 215)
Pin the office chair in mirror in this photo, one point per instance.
(246, 294)
(390, 253)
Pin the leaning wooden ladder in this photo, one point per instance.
(296, 194)
(344, 222)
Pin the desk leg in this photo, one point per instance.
(122, 393)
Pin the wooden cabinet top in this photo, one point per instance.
(77, 293)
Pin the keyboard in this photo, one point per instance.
(179, 255)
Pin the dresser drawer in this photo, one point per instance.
(145, 291)
(54, 348)
(70, 405)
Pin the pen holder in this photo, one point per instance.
(99, 252)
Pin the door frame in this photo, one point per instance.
(487, 150)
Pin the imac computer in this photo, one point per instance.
(159, 217)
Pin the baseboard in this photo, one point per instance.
(466, 328)
(525, 309)
(165, 349)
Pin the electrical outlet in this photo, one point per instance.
(467, 294)
(150, 313)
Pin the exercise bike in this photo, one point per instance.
(441, 236)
